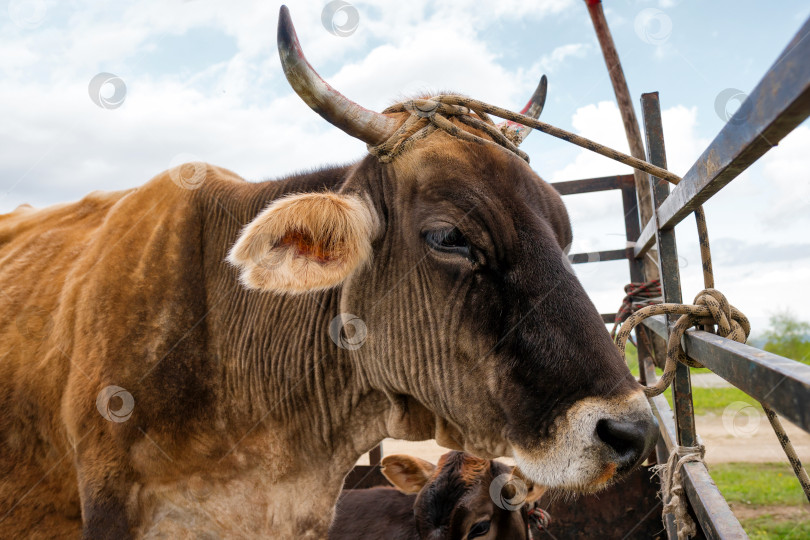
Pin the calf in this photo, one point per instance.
(451, 500)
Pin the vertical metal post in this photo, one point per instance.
(375, 456)
(632, 231)
(668, 264)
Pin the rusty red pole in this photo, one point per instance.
(634, 140)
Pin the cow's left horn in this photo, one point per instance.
(368, 126)
(517, 132)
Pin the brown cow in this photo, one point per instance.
(448, 502)
(171, 356)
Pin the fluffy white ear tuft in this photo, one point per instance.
(305, 242)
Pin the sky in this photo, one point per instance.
(105, 95)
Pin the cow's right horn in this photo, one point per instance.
(368, 126)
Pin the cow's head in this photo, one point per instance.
(463, 496)
(478, 331)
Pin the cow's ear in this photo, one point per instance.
(305, 242)
(407, 473)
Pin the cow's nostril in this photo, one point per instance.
(631, 442)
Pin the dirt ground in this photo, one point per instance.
(754, 443)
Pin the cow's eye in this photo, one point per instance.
(448, 240)
(479, 529)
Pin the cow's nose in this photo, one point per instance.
(631, 442)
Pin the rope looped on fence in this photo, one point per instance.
(710, 308)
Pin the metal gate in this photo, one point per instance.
(777, 105)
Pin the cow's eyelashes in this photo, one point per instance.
(449, 240)
(479, 529)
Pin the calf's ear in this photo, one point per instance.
(407, 473)
(305, 242)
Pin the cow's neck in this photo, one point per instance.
(282, 373)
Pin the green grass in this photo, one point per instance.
(758, 483)
(765, 527)
(715, 400)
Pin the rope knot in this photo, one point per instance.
(675, 502)
(429, 114)
(710, 308)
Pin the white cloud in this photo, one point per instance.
(550, 62)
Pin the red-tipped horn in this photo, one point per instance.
(368, 126)
(518, 132)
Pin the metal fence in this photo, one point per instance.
(777, 105)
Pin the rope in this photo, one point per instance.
(430, 114)
(790, 452)
(539, 519)
(637, 296)
(672, 484)
(709, 308)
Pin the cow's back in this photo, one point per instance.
(83, 288)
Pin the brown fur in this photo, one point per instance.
(246, 414)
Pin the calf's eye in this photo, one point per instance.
(479, 529)
(449, 240)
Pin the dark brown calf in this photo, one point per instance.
(448, 501)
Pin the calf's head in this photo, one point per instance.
(463, 496)
(473, 323)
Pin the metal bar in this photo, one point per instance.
(632, 230)
(668, 265)
(608, 318)
(590, 185)
(712, 511)
(779, 103)
(375, 456)
(781, 383)
(600, 256)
